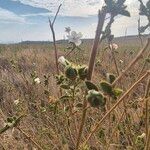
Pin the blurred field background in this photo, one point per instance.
(50, 130)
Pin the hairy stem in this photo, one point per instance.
(101, 20)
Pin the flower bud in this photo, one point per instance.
(71, 73)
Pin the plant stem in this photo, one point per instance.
(115, 62)
(144, 65)
(28, 137)
(133, 62)
(51, 24)
(146, 107)
(148, 141)
(101, 19)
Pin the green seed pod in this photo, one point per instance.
(106, 88)
(82, 71)
(71, 73)
(96, 99)
(110, 77)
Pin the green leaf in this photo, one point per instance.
(82, 71)
(106, 88)
(148, 4)
(147, 60)
(124, 13)
(91, 86)
(109, 2)
(65, 86)
(46, 92)
(79, 105)
(64, 98)
(143, 9)
(110, 78)
(117, 92)
(121, 2)
(10, 119)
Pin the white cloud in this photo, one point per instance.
(8, 16)
(80, 8)
(69, 7)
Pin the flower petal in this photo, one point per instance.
(79, 35)
(78, 42)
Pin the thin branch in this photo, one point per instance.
(101, 19)
(146, 106)
(148, 141)
(97, 125)
(133, 62)
(29, 138)
(56, 14)
(51, 25)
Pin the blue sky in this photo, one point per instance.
(22, 20)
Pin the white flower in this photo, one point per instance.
(114, 46)
(37, 81)
(142, 136)
(63, 61)
(121, 61)
(68, 29)
(16, 102)
(75, 38)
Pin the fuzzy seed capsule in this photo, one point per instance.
(71, 73)
(96, 99)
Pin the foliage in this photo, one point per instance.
(144, 11)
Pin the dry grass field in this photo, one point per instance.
(52, 123)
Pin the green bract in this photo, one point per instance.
(82, 71)
(117, 7)
(110, 78)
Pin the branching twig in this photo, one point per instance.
(133, 62)
(29, 138)
(51, 24)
